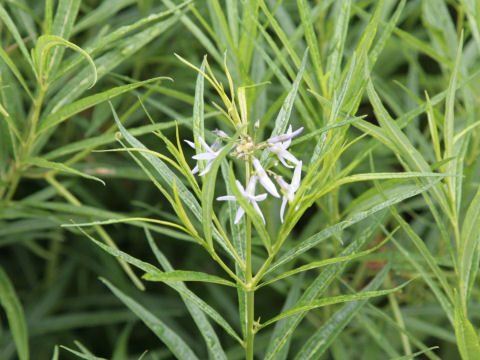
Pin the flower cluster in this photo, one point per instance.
(245, 150)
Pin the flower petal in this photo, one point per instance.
(204, 144)
(191, 144)
(227, 198)
(285, 137)
(282, 160)
(288, 155)
(240, 187)
(205, 156)
(264, 179)
(297, 174)
(207, 168)
(282, 208)
(257, 209)
(259, 197)
(239, 215)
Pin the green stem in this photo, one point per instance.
(250, 291)
(250, 295)
(26, 149)
(250, 323)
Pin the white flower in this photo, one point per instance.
(264, 179)
(289, 190)
(249, 195)
(279, 145)
(287, 136)
(221, 133)
(209, 155)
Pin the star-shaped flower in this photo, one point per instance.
(264, 179)
(279, 145)
(209, 155)
(249, 195)
(289, 190)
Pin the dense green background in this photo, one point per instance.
(407, 49)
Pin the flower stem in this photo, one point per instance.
(250, 292)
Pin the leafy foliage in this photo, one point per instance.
(377, 254)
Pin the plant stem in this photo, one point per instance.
(250, 292)
(250, 323)
(250, 295)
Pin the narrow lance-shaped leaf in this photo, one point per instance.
(171, 339)
(326, 233)
(467, 337)
(316, 345)
(16, 318)
(7, 20)
(183, 275)
(312, 40)
(468, 251)
(14, 69)
(40, 55)
(325, 262)
(196, 311)
(63, 22)
(310, 305)
(81, 355)
(283, 116)
(198, 112)
(74, 108)
(449, 130)
(40, 162)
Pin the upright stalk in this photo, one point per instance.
(250, 291)
(29, 139)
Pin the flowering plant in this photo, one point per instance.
(266, 162)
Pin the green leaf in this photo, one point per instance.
(199, 113)
(120, 51)
(469, 248)
(454, 185)
(105, 139)
(82, 355)
(312, 40)
(415, 354)
(320, 263)
(40, 55)
(197, 32)
(425, 252)
(7, 20)
(120, 254)
(320, 341)
(65, 16)
(319, 285)
(326, 233)
(467, 338)
(310, 305)
(14, 69)
(72, 109)
(16, 318)
(432, 284)
(198, 312)
(169, 337)
(55, 353)
(337, 41)
(183, 275)
(400, 144)
(283, 116)
(40, 162)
